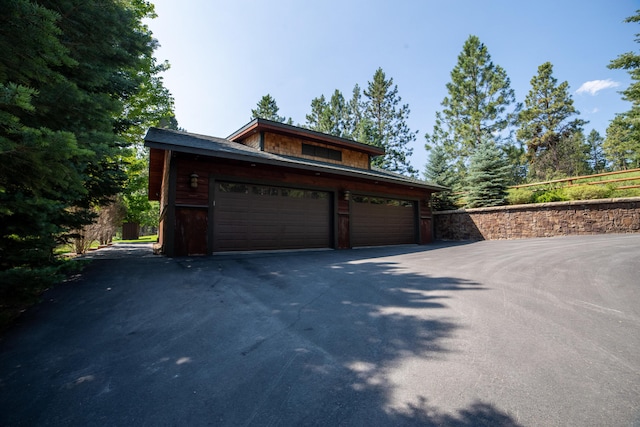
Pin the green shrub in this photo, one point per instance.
(520, 196)
(553, 195)
(588, 192)
(21, 287)
(626, 192)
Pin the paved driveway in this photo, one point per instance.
(528, 332)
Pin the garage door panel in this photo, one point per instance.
(381, 221)
(256, 217)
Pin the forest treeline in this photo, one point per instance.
(483, 139)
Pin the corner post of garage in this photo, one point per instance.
(343, 213)
(211, 203)
(426, 223)
(169, 244)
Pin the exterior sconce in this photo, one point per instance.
(193, 182)
(347, 195)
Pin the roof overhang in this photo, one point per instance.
(155, 140)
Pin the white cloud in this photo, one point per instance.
(594, 86)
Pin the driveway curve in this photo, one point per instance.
(523, 332)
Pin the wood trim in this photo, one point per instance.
(211, 213)
(170, 227)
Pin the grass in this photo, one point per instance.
(143, 239)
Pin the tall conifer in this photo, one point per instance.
(388, 124)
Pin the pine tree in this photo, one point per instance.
(488, 176)
(546, 125)
(477, 105)
(439, 171)
(622, 143)
(597, 160)
(267, 108)
(69, 73)
(388, 124)
(330, 118)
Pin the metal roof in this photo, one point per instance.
(167, 139)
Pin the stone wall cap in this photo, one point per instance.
(530, 206)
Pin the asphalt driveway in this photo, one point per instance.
(526, 332)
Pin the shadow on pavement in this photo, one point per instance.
(313, 338)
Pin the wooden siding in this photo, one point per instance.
(212, 170)
(187, 195)
(234, 170)
(288, 146)
(252, 141)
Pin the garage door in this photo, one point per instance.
(378, 221)
(257, 217)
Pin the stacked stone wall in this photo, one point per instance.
(540, 220)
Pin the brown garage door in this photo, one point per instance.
(378, 221)
(257, 217)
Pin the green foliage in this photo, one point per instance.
(77, 83)
(551, 195)
(547, 127)
(21, 287)
(389, 127)
(267, 109)
(478, 106)
(520, 196)
(331, 118)
(588, 192)
(378, 120)
(439, 171)
(597, 158)
(622, 143)
(488, 176)
(627, 192)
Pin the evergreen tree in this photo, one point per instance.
(358, 126)
(597, 160)
(316, 120)
(69, 73)
(438, 171)
(488, 176)
(330, 118)
(547, 127)
(267, 108)
(389, 127)
(622, 143)
(477, 105)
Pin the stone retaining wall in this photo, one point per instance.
(540, 220)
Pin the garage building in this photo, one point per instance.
(276, 186)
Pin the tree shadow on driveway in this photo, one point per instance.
(313, 338)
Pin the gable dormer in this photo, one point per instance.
(286, 140)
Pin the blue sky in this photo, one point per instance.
(225, 55)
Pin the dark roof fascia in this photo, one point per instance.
(257, 125)
(261, 157)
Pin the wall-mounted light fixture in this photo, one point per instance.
(193, 182)
(347, 195)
